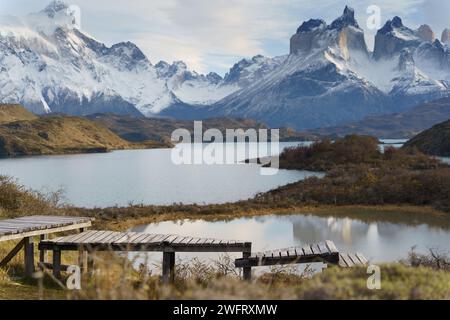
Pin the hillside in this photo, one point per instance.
(14, 112)
(60, 135)
(403, 125)
(160, 129)
(435, 141)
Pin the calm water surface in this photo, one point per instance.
(145, 176)
(378, 241)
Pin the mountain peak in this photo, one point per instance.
(426, 33)
(391, 25)
(54, 7)
(347, 19)
(311, 25)
(445, 35)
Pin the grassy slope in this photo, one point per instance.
(22, 133)
(14, 112)
(57, 135)
(434, 141)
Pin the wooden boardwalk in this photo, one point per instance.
(26, 228)
(320, 252)
(325, 252)
(92, 241)
(348, 260)
(19, 228)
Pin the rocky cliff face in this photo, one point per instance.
(426, 33)
(445, 36)
(331, 78)
(393, 38)
(344, 32)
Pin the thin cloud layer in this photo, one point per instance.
(210, 35)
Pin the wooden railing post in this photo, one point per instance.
(83, 256)
(29, 256)
(57, 263)
(43, 253)
(247, 271)
(168, 267)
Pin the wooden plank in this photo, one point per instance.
(158, 238)
(331, 246)
(292, 252)
(12, 253)
(33, 233)
(106, 235)
(312, 249)
(362, 258)
(23, 224)
(80, 235)
(307, 250)
(181, 240)
(323, 248)
(141, 238)
(55, 219)
(111, 238)
(171, 238)
(147, 238)
(85, 236)
(129, 238)
(344, 257)
(354, 259)
(100, 235)
(66, 238)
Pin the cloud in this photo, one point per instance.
(210, 35)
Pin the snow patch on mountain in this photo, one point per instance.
(49, 65)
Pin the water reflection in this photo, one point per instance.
(378, 241)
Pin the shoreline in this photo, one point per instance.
(120, 219)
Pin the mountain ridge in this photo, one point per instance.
(329, 78)
(403, 125)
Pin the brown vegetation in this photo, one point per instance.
(434, 141)
(359, 173)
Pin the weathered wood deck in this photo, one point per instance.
(348, 260)
(320, 252)
(19, 228)
(325, 252)
(26, 228)
(93, 241)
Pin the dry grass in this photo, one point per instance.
(14, 112)
(115, 278)
(197, 280)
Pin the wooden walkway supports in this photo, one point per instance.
(88, 242)
(27, 228)
(325, 252)
(96, 241)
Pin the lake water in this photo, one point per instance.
(150, 177)
(379, 241)
(147, 176)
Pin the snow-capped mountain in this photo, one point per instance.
(49, 65)
(330, 77)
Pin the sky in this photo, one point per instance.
(212, 35)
